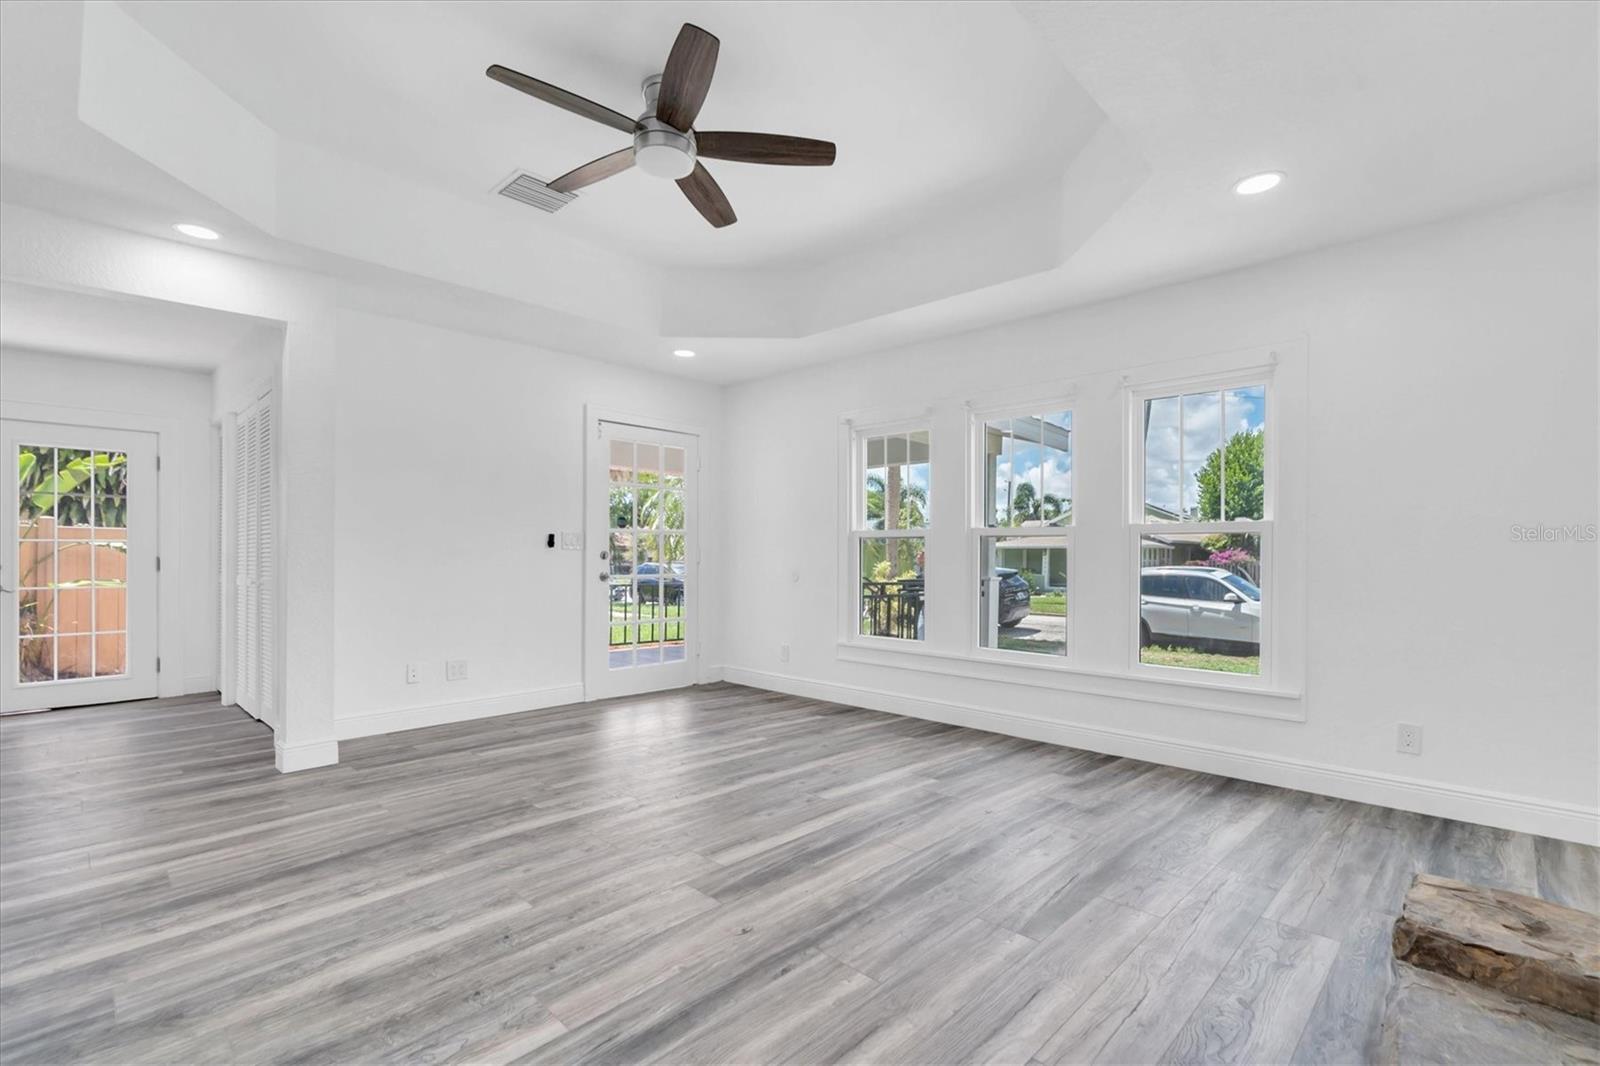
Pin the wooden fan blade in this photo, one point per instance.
(687, 76)
(706, 195)
(773, 148)
(552, 94)
(594, 170)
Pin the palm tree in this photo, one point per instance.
(913, 510)
(1028, 506)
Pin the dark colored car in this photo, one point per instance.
(1016, 597)
(671, 582)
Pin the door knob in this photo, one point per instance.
(604, 576)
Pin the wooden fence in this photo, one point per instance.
(72, 600)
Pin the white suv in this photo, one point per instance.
(1201, 605)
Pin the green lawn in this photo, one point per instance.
(1049, 603)
(1201, 660)
(648, 612)
(1033, 644)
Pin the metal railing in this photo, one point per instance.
(891, 608)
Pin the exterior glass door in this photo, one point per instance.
(79, 567)
(642, 606)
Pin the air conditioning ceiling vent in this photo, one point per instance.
(527, 189)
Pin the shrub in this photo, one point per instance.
(1229, 557)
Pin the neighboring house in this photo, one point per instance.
(1155, 550)
(1039, 558)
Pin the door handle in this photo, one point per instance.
(604, 576)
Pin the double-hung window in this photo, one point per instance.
(888, 533)
(1022, 530)
(1202, 526)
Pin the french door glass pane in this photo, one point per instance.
(622, 508)
(72, 508)
(647, 586)
(647, 463)
(649, 503)
(37, 659)
(110, 654)
(621, 461)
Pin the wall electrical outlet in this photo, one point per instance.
(455, 670)
(413, 673)
(783, 653)
(1408, 739)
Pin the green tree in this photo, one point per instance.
(1027, 505)
(913, 503)
(1246, 477)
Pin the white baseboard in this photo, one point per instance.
(295, 757)
(370, 725)
(1522, 813)
(710, 675)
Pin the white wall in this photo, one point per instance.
(1452, 394)
(251, 366)
(352, 385)
(456, 454)
(176, 404)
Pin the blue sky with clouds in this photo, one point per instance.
(1174, 455)
(1048, 469)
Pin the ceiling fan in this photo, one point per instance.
(665, 142)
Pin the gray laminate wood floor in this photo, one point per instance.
(713, 875)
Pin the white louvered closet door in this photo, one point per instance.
(254, 645)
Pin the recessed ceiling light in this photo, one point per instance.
(683, 353)
(189, 229)
(1258, 183)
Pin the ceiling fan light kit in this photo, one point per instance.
(658, 149)
(665, 143)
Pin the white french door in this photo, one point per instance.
(77, 566)
(254, 562)
(643, 608)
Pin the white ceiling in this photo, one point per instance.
(401, 87)
(121, 328)
(946, 114)
(1382, 115)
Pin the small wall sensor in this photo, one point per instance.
(549, 540)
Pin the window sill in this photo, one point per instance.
(1254, 700)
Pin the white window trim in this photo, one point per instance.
(1283, 698)
(977, 528)
(1265, 528)
(854, 435)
